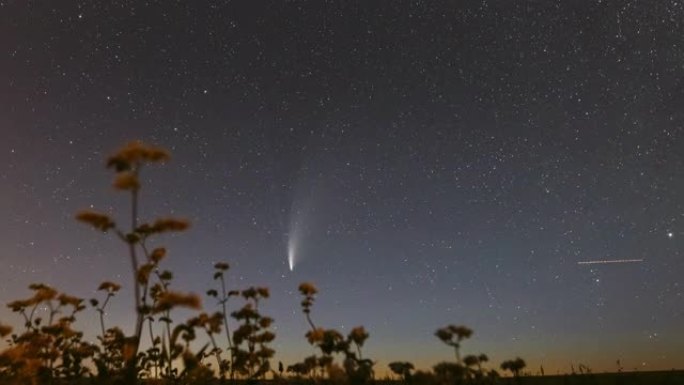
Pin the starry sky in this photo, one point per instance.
(432, 162)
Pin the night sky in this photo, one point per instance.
(428, 162)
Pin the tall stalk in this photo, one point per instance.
(135, 265)
(224, 308)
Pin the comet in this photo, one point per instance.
(291, 253)
(303, 217)
(293, 244)
(609, 261)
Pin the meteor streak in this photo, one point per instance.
(602, 262)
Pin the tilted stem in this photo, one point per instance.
(168, 335)
(156, 362)
(131, 364)
(53, 311)
(225, 315)
(102, 325)
(224, 302)
(167, 315)
(30, 318)
(217, 354)
(134, 262)
(101, 311)
(308, 318)
(27, 324)
(147, 285)
(250, 346)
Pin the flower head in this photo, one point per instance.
(358, 335)
(109, 286)
(170, 299)
(307, 289)
(135, 153)
(223, 266)
(127, 181)
(99, 221)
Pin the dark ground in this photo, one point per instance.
(670, 377)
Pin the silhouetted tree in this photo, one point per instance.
(482, 358)
(308, 290)
(453, 335)
(514, 366)
(401, 368)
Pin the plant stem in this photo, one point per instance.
(134, 262)
(156, 361)
(171, 346)
(101, 311)
(131, 365)
(224, 301)
(216, 351)
(224, 305)
(308, 319)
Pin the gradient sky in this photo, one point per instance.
(434, 162)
